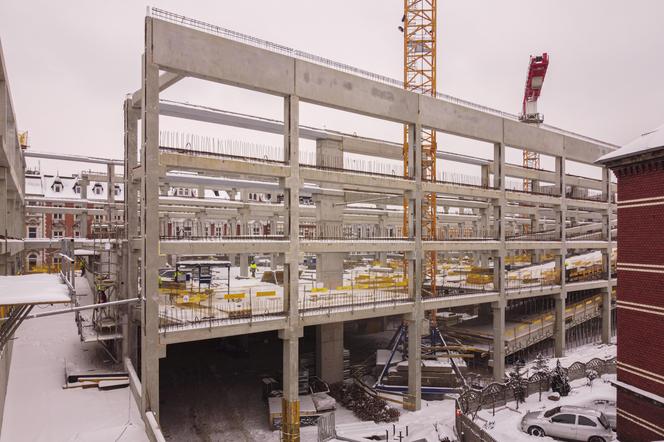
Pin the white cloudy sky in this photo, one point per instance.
(70, 63)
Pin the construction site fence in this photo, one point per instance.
(467, 430)
(498, 394)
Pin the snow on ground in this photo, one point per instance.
(38, 409)
(433, 422)
(505, 425)
(583, 353)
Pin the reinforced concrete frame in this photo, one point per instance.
(174, 51)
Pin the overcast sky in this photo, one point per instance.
(70, 63)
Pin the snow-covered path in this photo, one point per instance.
(38, 408)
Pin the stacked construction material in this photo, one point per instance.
(96, 379)
(303, 381)
(346, 364)
(436, 371)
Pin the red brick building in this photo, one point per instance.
(639, 167)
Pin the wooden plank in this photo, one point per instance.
(112, 385)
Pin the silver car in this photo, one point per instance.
(568, 422)
(606, 406)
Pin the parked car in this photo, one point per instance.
(606, 406)
(569, 422)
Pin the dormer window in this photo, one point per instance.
(117, 190)
(77, 189)
(57, 186)
(98, 189)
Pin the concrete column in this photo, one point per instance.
(130, 275)
(83, 182)
(244, 265)
(290, 404)
(416, 326)
(273, 231)
(330, 352)
(110, 193)
(150, 351)
(607, 219)
(415, 273)
(606, 316)
(4, 202)
(559, 325)
(498, 311)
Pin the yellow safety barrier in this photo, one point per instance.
(270, 293)
(319, 290)
(234, 296)
(193, 298)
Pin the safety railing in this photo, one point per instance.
(542, 235)
(220, 308)
(586, 236)
(578, 193)
(345, 163)
(189, 230)
(446, 233)
(352, 232)
(546, 190)
(460, 179)
(68, 267)
(350, 298)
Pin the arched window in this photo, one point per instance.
(32, 261)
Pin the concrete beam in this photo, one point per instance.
(166, 80)
(251, 67)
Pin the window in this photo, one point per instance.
(58, 234)
(77, 188)
(32, 261)
(32, 232)
(218, 230)
(98, 189)
(117, 190)
(77, 234)
(57, 186)
(564, 418)
(587, 422)
(58, 216)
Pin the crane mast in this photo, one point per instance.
(536, 73)
(419, 75)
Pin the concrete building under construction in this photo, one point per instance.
(337, 228)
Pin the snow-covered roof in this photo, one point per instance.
(33, 289)
(33, 185)
(45, 185)
(647, 142)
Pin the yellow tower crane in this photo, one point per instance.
(419, 75)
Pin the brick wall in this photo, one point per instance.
(630, 431)
(640, 334)
(641, 181)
